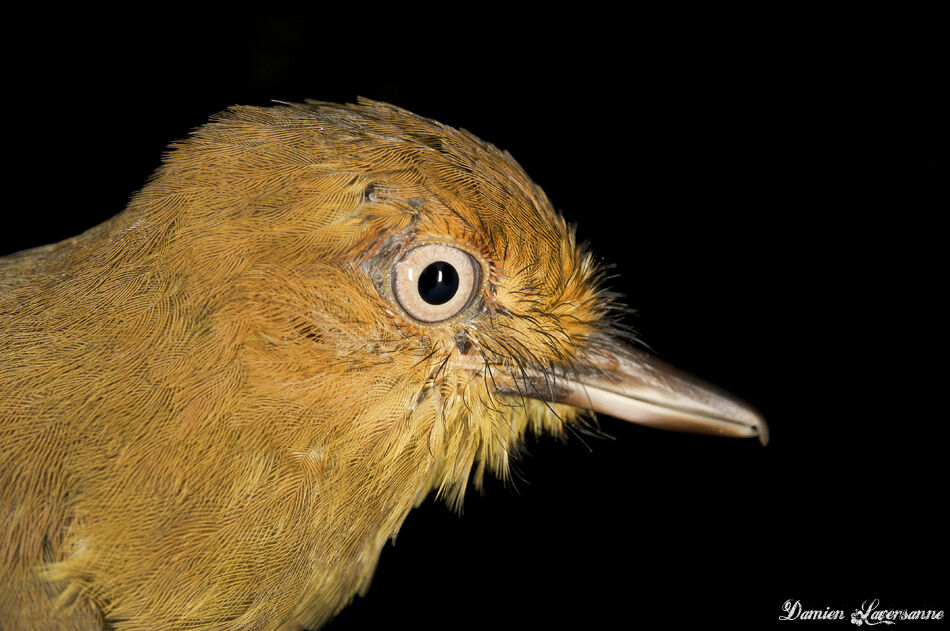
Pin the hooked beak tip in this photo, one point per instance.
(763, 430)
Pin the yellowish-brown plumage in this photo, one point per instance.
(213, 416)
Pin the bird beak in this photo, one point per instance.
(631, 385)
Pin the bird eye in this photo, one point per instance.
(435, 282)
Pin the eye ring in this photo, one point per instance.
(435, 282)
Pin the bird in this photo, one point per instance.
(219, 405)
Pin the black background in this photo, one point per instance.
(768, 186)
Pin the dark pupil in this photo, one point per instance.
(438, 282)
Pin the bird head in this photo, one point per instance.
(317, 315)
